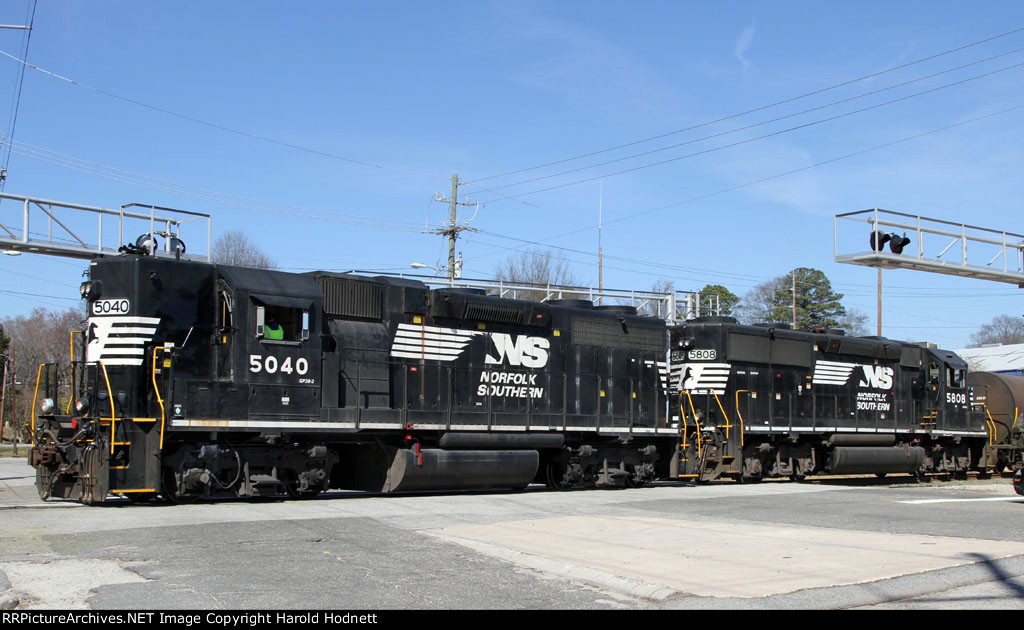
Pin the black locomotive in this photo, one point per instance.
(205, 380)
(760, 401)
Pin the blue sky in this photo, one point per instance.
(401, 95)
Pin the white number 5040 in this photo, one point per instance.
(258, 363)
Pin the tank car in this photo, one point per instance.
(202, 380)
(765, 401)
(1001, 397)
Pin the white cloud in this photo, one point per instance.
(743, 43)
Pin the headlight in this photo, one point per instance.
(81, 407)
(90, 289)
(46, 407)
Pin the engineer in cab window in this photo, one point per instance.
(274, 331)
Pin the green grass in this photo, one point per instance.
(7, 450)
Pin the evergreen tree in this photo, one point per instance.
(817, 305)
(727, 300)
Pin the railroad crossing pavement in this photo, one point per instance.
(862, 543)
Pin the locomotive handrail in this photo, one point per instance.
(71, 343)
(728, 423)
(739, 414)
(696, 422)
(159, 399)
(110, 397)
(35, 395)
(682, 429)
(991, 423)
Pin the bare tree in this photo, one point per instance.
(536, 267)
(42, 337)
(234, 248)
(1004, 329)
(855, 323)
(664, 287)
(759, 303)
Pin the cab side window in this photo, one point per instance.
(281, 323)
(954, 378)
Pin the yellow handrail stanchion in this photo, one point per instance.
(71, 342)
(739, 413)
(35, 395)
(159, 399)
(696, 422)
(110, 397)
(728, 423)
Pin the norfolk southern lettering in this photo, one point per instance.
(509, 384)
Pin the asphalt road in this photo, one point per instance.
(819, 545)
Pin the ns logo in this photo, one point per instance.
(531, 352)
(876, 377)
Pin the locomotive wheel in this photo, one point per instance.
(556, 477)
(631, 479)
(44, 482)
(293, 493)
(170, 489)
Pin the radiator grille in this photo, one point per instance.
(611, 333)
(352, 298)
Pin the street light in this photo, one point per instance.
(419, 265)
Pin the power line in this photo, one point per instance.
(92, 168)
(774, 133)
(791, 172)
(540, 243)
(215, 125)
(756, 109)
(17, 97)
(757, 124)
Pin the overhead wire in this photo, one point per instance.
(16, 105)
(229, 199)
(772, 134)
(541, 243)
(216, 125)
(760, 108)
(773, 177)
(761, 123)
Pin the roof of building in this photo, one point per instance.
(996, 358)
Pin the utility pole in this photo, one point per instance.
(600, 252)
(452, 231)
(3, 393)
(14, 396)
(794, 299)
(879, 301)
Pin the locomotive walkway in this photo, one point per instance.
(825, 544)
